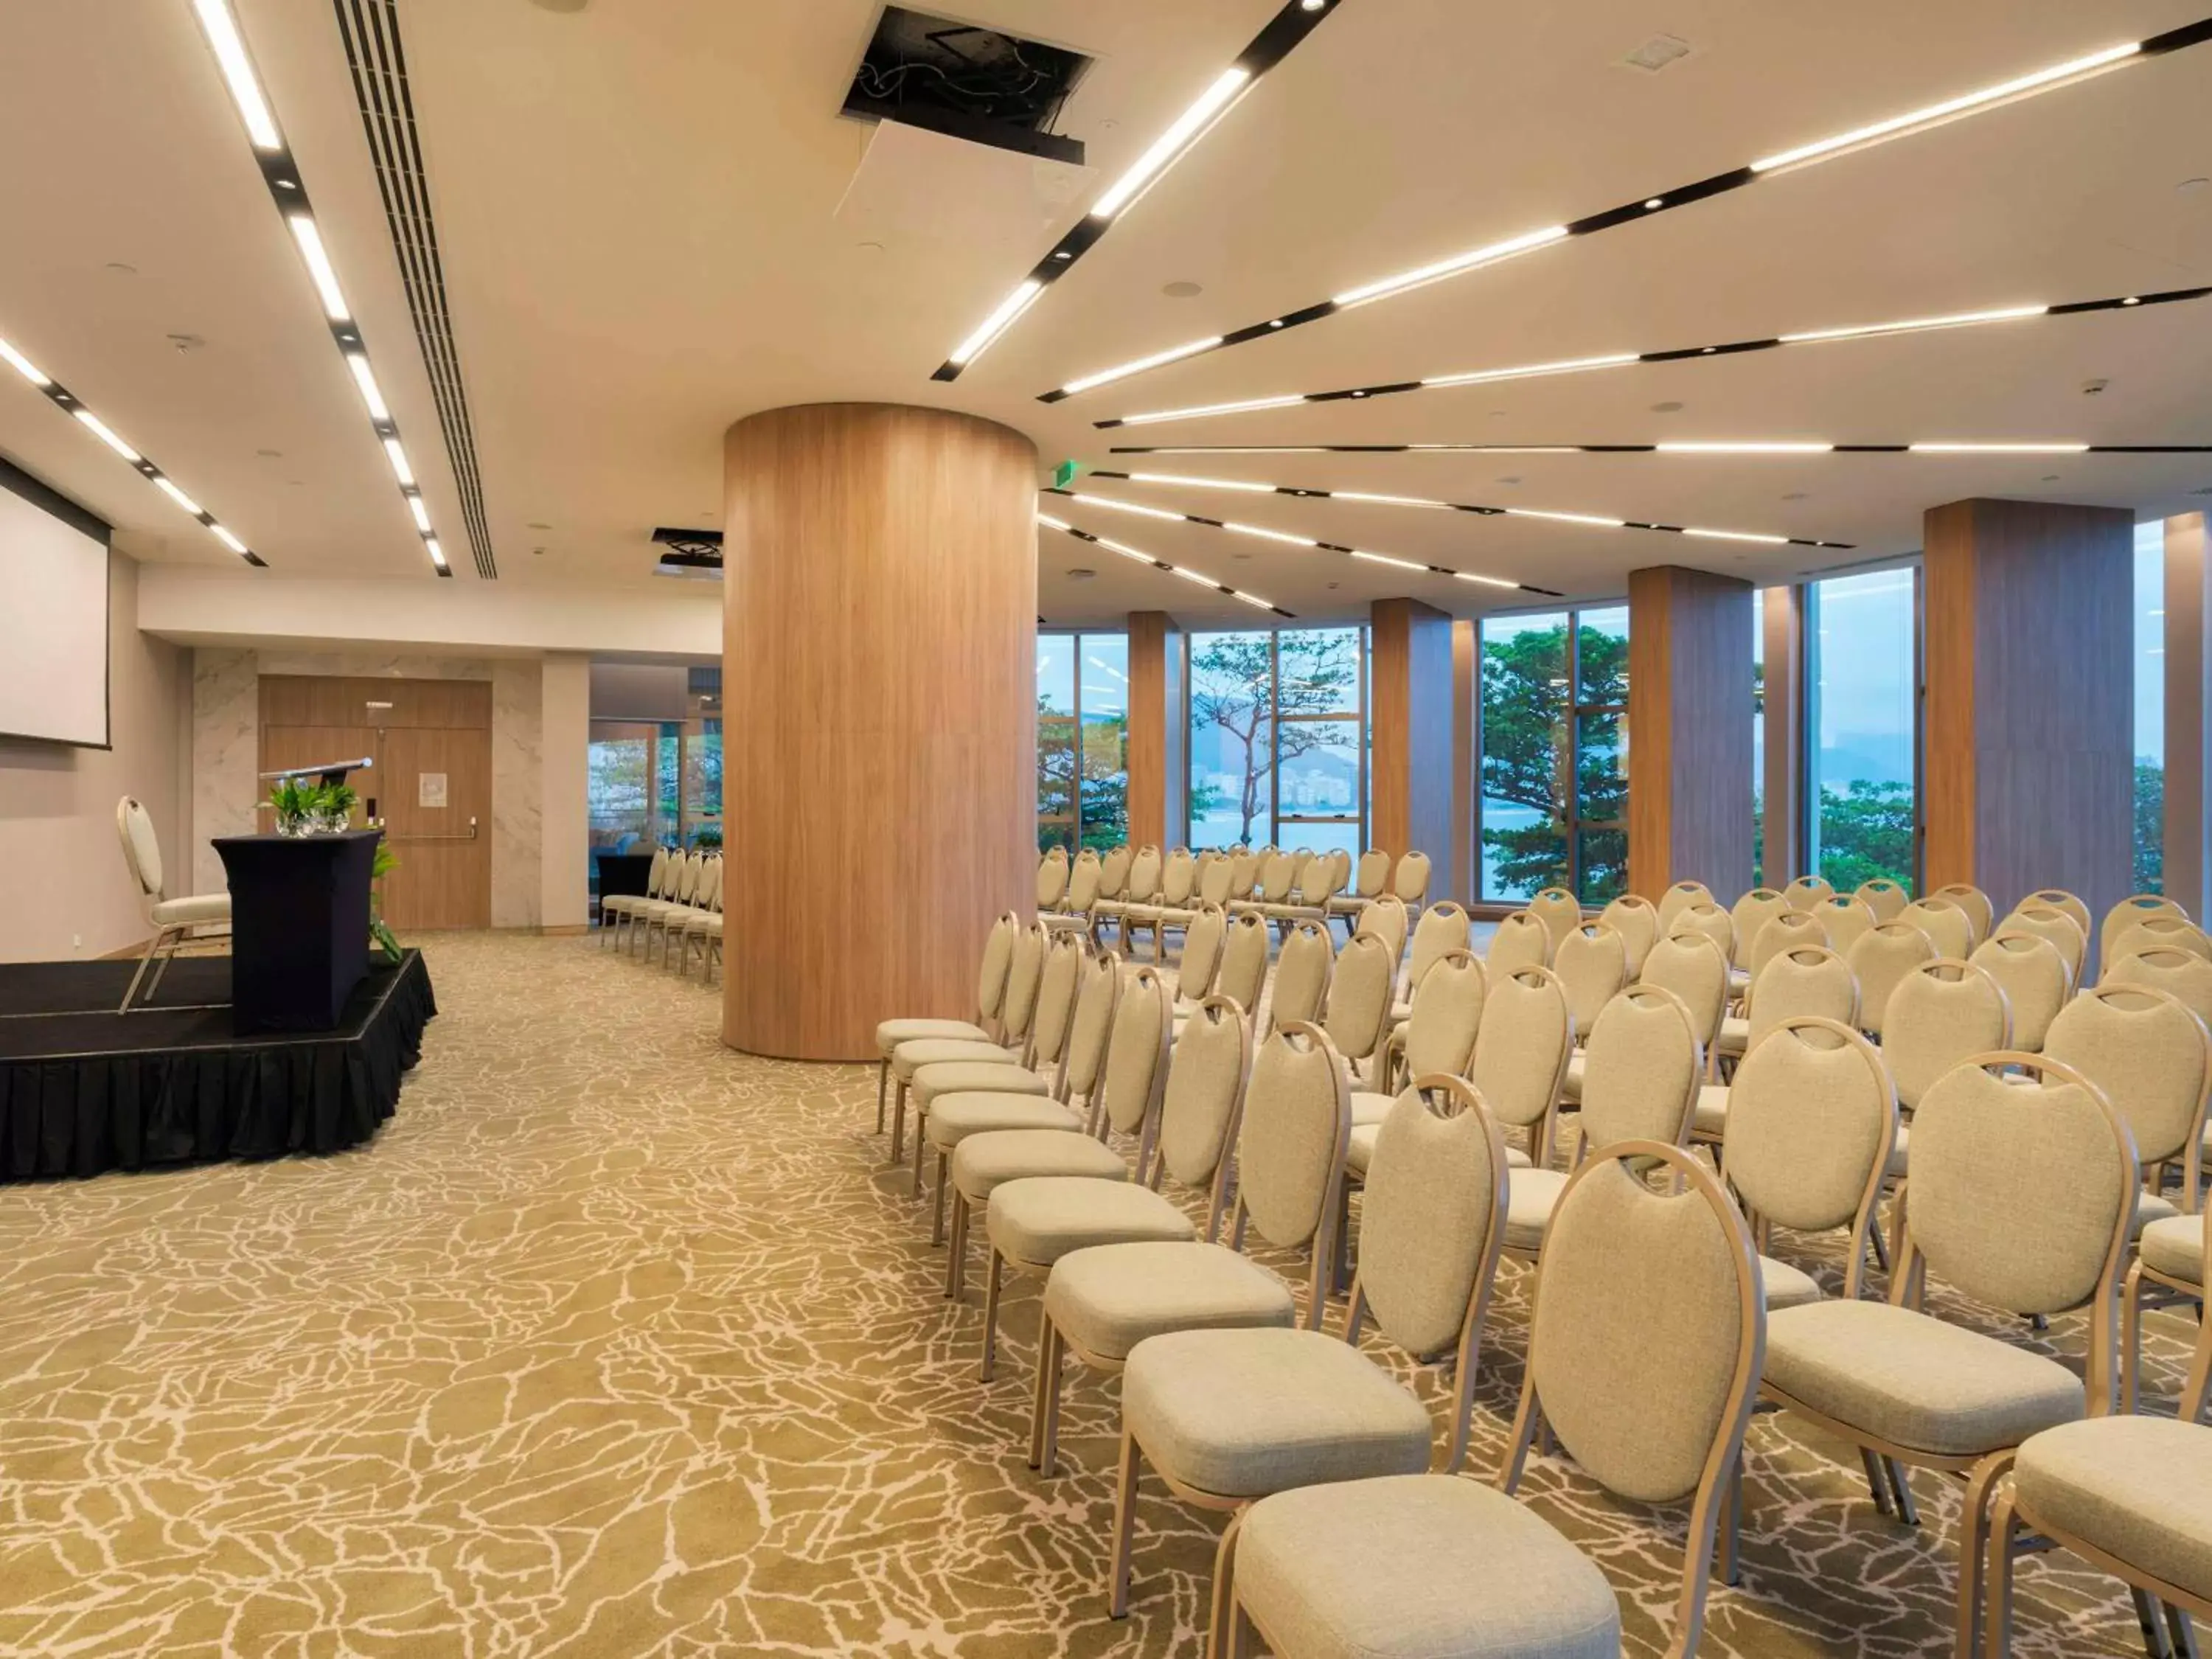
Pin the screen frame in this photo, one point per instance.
(54, 504)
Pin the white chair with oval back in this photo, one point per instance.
(1974, 902)
(1679, 898)
(2058, 928)
(1807, 892)
(1884, 898)
(2033, 977)
(1520, 940)
(1636, 921)
(172, 919)
(615, 907)
(2125, 916)
(1371, 879)
(1559, 910)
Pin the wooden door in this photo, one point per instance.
(434, 792)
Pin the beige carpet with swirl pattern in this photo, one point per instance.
(615, 1342)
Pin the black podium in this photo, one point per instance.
(299, 927)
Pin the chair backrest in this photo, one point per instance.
(1411, 883)
(1291, 1148)
(1243, 974)
(1809, 980)
(1144, 884)
(1447, 1012)
(1202, 941)
(1696, 969)
(1940, 1013)
(1024, 977)
(1361, 989)
(1708, 920)
(1884, 955)
(1884, 898)
(1559, 910)
(1521, 1047)
(1811, 1118)
(1384, 918)
(1592, 963)
(1276, 872)
(1373, 874)
(142, 848)
(1301, 975)
(1844, 917)
(1300, 857)
(1641, 1068)
(2033, 977)
(2023, 1194)
(718, 873)
(2048, 921)
(1084, 879)
(1678, 898)
(1137, 1060)
(1098, 994)
(1750, 912)
(1789, 930)
(1217, 876)
(2125, 914)
(1207, 1070)
(1058, 987)
(721, 884)
(656, 876)
(1980, 912)
(2188, 977)
(1328, 876)
(1431, 1222)
(1052, 877)
(1636, 921)
(1243, 872)
(1113, 871)
(1807, 892)
(1443, 927)
(2164, 932)
(687, 879)
(998, 958)
(1521, 941)
(1178, 877)
(2148, 1053)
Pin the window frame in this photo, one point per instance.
(1359, 714)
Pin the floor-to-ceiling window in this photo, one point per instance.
(1278, 738)
(1759, 737)
(1083, 740)
(1555, 754)
(1862, 703)
(2150, 706)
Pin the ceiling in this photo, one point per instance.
(652, 223)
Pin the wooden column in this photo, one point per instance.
(1410, 667)
(2188, 828)
(1159, 768)
(1782, 800)
(2027, 750)
(1689, 730)
(880, 687)
(1464, 881)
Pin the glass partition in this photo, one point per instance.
(1862, 706)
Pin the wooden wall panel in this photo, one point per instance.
(1781, 801)
(1410, 669)
(343, 699)
(1689, 733)
(2188, 828)
(1159, 769)
(879, 685)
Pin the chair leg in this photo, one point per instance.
(920, 1142)
(882, 1090)
(152, 945)
(2196, 1391)
(1125, 1528)
(1877, 1482)
(2183, 1633)
(1997, 1592)
(1729, 1566)
(1973, 1544)
(2131, 1339)
(1048, 1454)
(955, 1266)
(1900, 1486)
(161, 965)
(994, 1280)
(937, 1207)
(898, 1124)
(1046, 1358)
(1222, 1640)
(2150, 1621)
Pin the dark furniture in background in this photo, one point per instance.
(299, 909)
(624, 873)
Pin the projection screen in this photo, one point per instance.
(53, 615)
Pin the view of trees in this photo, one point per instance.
(2150, 827)
(1866, 832)
(1525, 744)
(1104, 778)
(1234, 684)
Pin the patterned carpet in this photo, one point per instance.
(616, 1343)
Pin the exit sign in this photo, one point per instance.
(1066, 473)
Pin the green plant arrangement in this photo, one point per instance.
(309, 808)
(708, 839)
(380, 931)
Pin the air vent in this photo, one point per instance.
(966, 81)
(696, 554)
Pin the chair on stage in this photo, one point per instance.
(172, 919)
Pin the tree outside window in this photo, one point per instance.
(1277, 736)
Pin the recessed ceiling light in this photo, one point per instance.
(121, 268)
(318, 266)
(1760, 447)
(1203, 409)
(1473, 259)
(1185, 131)
(23, 365)
(1796, 495)
(227, 539)
(437, 553)
(534, 524)
(1670, 407)
(1188, 348)
(422, 513)
(99, 430)
(270, 454)
(400, 470)
(1657, 52)
(2190, 187)
(1000, 319)
(177, 495)
(230, 55)
(1081, 574)
(365, 378)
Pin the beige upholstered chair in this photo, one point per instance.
(1705, 918)
(1210, 885)
(617, 908)
(2123, 917)
(1370, 878)
(1520, 940)
(2170, 1262)
(1642, 1297)
(1031, 1223)
(2023, 1189)
(1939, 1015)
(2165, 933)
(1409, 883)
(2152, 1057)
(1084, 877)
(1099, 1303)
(1113, 868)
(653, 915)
(1178, 880)
(1051, 878)
(1559, 910)
(1808, 892)
(2132, 1495)
(1445, 926)
(1750, 912)
(2058, 898)
(1695, 969)
(1809, 982)
(1127, 1102)
(1844, 917)
(2058, 928)
(1642, 1066)
(1436, 1035)
(1276, 880)
(1811, 1117)
(705, 922)
(1139, 892)
(1245, 863)
(2187, 976)
(1226, 1417)
(1303, 970)
(1679, 898)
(1792, 930)
(1385, 919)
(1360, 989)
(1884, 898)
(990, 997)
(1592, 963)
(1885, 954)
(172, 920)
(1202, 943)
(1325, 877)
(1025, 976)
(1980, 912)
(2033, 977)
(1243, 976)
(1636, 921)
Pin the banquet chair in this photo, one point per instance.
(2170, 1262)
(1275, 883)
(1409, 882)
(990, 996)
(2123, 917)
(677, 926)
(2153, 1058)
(1325, 877)
(1519, 941)
(1303, 970)
(1243, 975)
(1884, 898)
(1051, 879)
(1178, 880)
(1113, 867)
(1790, 930)
(1138, 892)
(1678, 897)
(2058, 898)
(1358, 1014)
(1245, 863)
(615, 907)
(1884, 955)
(685, 872)
(706, 927)
(2023, 1190)
(1844, 918)
(1980, 912)
(1209, 884)
(1695, 969)
(2057, 927)
(1099, 1303)
(2185, 975)
(1636, 921)
(1385, 919)
(1448, 1013)
(1642, 1066)
(1082, 896)
(2033, 977)
(1810, 981)
(1561, 912)
(1224, 1416)
(172, 919)
(1747, 916)
(1201, 956)
(1642, 1297)
(1808, 892)
(1940, 1014)
(1371, 879)
(1445, 926)
(2166, 932)
(1031, 1222)
(1592, 964)
(1002, 1052)
(1812, 1116)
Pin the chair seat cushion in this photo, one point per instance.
(1039, 1219)
(2150, 1209)
(1108, 1299)
(2175, 1247)
(2139, 1488)
(951, 1077)
(910, 1057)
(1362, 1148)
(198, 907)
(1739, 980)
(1400, 1012)
(892, 1032)
(1570, 1085)
(1245, 1412)
(1530, 1196)
(1370, 1107)
(1787, 1286)
(954, 1117)
(983, 1162)
(1734, 1035)
(1711, 1117)
(1419, 1566)
(706, 924)
(1346, 904)
(1914, 1380)
(1900, 1154)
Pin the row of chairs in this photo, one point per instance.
(1815, 1106)
(1139, 890)
(681, 905)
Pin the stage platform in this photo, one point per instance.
(84, 1088)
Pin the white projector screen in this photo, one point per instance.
(53, 615)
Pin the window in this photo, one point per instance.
(1759, 738)
(1278, 738)
(1862, 707)
(2150, 706)
(1083, 740)
(1555, 754)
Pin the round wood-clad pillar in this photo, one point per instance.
(879, 717)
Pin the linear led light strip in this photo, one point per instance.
(1364, 555)
(1748, 447)
(1288, 27)
(71, 404)
(282, 174)
(1679, 354)
(1143, 557)
(1176, 480)
(1920, 120)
